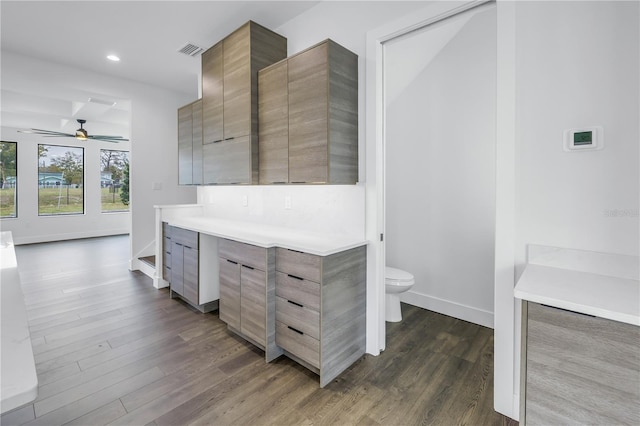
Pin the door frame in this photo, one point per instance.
(506, 378)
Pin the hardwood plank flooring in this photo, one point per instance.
(111, 349)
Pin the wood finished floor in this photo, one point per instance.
(111, 349)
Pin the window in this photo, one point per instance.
(60, 180)
(114, 180)
(8, 179)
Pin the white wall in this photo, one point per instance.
(152, 155)
(582, 70)
(440, 100)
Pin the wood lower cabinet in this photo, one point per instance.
(578, 369)
(230, 102)
(182, 267)
(322, 117)
(247, 293)
(321, 309)
(190, 144)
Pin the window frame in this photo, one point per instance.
(128, 210)
(15, 186)
(81, 213)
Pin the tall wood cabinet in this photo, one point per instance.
(319, 121)
(190, 144)
(230, 102)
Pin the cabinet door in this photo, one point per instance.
(237, 83)
(273, 132)
(228, 161)
(253, 304)
(177, 268)
(229, 305)
(196, 120)
(190, 274)
(185, 145)
(212, 94)
(308, 116)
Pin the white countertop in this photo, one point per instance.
(18, 370)
(268, 235)
(609, 294)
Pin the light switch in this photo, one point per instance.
(156, 186)
(287, 202)
(245, 201)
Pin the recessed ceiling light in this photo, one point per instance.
(113, 58)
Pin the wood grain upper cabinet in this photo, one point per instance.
(190, 144)
(273, 116)
(322, 115)
(230, 101)
(212, 95)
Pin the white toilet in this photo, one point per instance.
(396, 281)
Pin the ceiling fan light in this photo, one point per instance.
(81, 134)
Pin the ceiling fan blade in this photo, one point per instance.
(107, 138)
(46, 133)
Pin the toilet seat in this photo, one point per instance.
(393, 275)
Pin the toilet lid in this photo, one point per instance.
(397, 274)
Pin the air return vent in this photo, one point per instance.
(190, 49)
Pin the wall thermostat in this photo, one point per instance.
(586, 138)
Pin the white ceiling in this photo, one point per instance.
(146, 35)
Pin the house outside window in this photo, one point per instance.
(60, 180)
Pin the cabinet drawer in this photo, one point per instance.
(300, 317)
(166, 230)
(304, 292)
(246, 254)
(185, 237)
(298, 343)
(299, 264)
(166, 273)
(166, 248)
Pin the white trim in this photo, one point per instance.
(506, 377)
(448, 307)
(505, 401)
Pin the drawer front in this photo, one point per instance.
(166, 248)
(304, 292)
(166, 230)
(185, 237)
(166, 259)
(299, 317)
(245, 254)
(300, 264)
(229, 305)
(166, 273)
(299, 344)
(253, 304)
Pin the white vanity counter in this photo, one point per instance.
(18, 371)
(599, 284)
(268, 235)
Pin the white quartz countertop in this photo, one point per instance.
(18, 370)
(268, 235)
(614, 296)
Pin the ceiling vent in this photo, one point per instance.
(102, 102)
(190, 49)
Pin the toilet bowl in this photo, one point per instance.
(396, 281)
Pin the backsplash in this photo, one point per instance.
(331, 209)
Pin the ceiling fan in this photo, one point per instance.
(80, 134)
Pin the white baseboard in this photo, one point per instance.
(67, 236)
(447, 307)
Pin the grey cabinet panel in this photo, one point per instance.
(579, 369)
(253, 312)
(298, 343)
(304, 292)
(185, 237)
(273, 116)
(246, 254)
(196, 139)
(212, 94)
(229, 306)
(190, 274)
(228, 161)
(237, 83)
(185, 145)
(177, 268)
(301, 317)
(308, 115)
